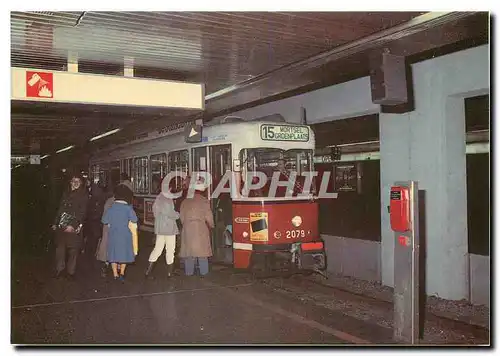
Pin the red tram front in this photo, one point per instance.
(274, 214)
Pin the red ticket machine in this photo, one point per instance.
(400, 209)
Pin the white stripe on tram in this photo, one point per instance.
(242, 246)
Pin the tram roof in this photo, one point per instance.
(214, 134)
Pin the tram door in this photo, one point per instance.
(199, 162)
(220, 163)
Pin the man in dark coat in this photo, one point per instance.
(93, 228)
(68, 224)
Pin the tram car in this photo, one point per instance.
(255, 228)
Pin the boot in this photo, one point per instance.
(170, 270)
(104, 270)
(149, 270)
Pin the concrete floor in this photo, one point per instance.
(222, 308)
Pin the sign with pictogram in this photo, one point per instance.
(39, 84)
(193, 133)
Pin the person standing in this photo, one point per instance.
(93, 226)
(197, 220)
(166, 230)
(102, 248)
(68, 224)
(122, 245)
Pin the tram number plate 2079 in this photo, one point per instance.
(295, 234)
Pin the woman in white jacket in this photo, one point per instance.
(165, 230)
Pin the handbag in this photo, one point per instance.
(66, 220)
(135, 240)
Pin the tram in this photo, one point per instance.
(256, 228)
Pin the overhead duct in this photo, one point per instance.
(230, 119)
(271, 118)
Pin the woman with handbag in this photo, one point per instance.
(102, 246)
(122, 246)
(68, 224)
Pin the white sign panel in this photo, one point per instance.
(284, 133)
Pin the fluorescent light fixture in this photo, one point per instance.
(477, 147)
(354, 144)
(104, 134)
(44, 157)
(65, 149)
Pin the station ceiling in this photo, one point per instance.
(243, 58)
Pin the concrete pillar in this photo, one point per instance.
(394, 166)
(428, 145)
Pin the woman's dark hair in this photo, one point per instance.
(76, 174)
(121, 192)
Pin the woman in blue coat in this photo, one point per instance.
(120, 244)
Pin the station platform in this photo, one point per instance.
(222, 308)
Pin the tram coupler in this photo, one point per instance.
(311, 256)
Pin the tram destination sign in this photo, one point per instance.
(284, 133)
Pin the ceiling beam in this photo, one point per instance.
(297, 76)
(430, 31)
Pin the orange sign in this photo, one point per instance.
(39, 85)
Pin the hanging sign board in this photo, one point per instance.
(39, 85)
(270, 132)
(346, 178)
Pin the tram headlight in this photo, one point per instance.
(245, 234)
(297, 221)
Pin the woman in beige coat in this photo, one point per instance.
(197, 220)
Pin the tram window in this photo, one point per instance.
(115, 173)
(294, 160)
(127, 167)
(220, 158)
(158, 171)
(99, 174)
(270, 160)
(94, 173)
(141, 175)
(178, 161)
(199, 163)
(103, 177)
(200, 159)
